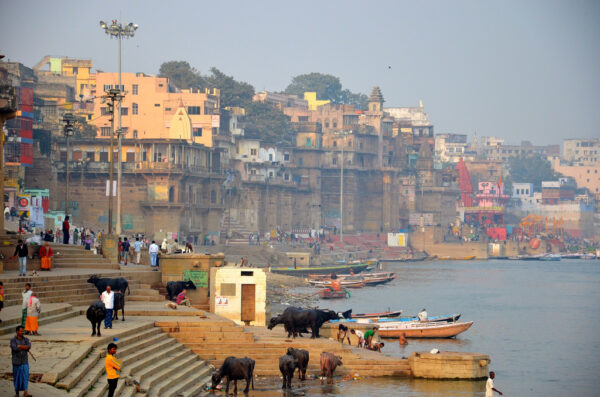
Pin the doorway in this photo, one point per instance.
(248, 303)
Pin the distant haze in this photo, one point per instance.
(520, 70)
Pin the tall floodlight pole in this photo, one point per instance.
(343, 134)
(68, 132)
(118, 30)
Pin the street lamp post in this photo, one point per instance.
(343, 134)
(118, 30)
(68, 119)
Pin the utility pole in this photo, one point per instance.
(118, 30)
(68, 119)
(112, 95)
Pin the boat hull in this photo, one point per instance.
(305, 271)
(330, 294)
(423, 330)
(377, 315)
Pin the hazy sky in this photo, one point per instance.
(515, 69)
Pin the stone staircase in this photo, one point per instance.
(238, 231)
(158, 362)
(50, 313)
(216, 341)
(76, 256)
(73, 289)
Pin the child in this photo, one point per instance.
(113, 367)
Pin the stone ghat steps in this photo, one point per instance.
(215, 342)
(45, 317)
(159, 363)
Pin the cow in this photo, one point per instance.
(296, 318)
(234, 369)
(174, 288)
(329, 363)
(274, 321)
(302, 358)
(116, 284)
(287, 366)
(96, 314)
(119, 304)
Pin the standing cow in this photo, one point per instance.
(116, 284)
(302, 358)
(329, 362)
(96, 314)
(119, 305)
(174, 288)
(287, 366)
(296, 319)
(234, 369)
(274, 321)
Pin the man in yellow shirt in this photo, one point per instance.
(113, 367)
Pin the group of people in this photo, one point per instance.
(365, 339)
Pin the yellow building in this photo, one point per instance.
(313, 102)
(153, 109)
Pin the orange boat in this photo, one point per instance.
(422, 330)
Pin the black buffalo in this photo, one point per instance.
(274, 321)
(116, 284)
(174, 288)
(119, 304)
(296, 318)
(234, 369)
(302, 358)
(287, 366)
(96, 314)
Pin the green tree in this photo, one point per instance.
(233, 92)
(325, 85)
(266, 122)
(181, 74)
(531, 169)
(360, 101)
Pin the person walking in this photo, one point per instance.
(26, 295)
(120, 249)
(20, 346)
(490, 390)
(113, 367)
(125, 250)
(75, 236)
(137, 248)
(33, 311)
(65, 229)
(108, 298)
(46, 256)
(21, 252)
(153, 251)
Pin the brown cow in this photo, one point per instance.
(329, 363)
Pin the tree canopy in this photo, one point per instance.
(267, 122)
(327, 87)
(531, 169)
(181, 74)
(233, 93)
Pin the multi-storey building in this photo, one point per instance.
(449, 148)
(495, 149)
(585, 152)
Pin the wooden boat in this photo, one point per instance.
(549, 257)
(378, 318)
(422, 329)
(329, 293)
(337, 269)
(452, 258)
(386, 314)
(448, 318)
(343, 283)
(350, 276)
(376, 279)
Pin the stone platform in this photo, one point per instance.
(449, 365)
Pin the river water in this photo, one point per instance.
(538, 321)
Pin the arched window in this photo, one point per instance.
(171, 194)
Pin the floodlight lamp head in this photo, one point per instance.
(103, 25)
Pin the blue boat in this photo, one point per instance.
(448, 318)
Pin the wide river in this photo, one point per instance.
(538, 321)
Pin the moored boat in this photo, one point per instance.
(386, 314)
(422, 329)
(343, 283)
(329, 293)
(337, 269)
(549, 257)
(453, 258)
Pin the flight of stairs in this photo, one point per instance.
(76, 256)
(216, 341)
(50, 313)
(162, 366)
(238, 231)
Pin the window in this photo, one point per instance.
(135, 134)
(286, 157)
(124, 111)
(105, 131)
(299, 160)
(75, 70)
(145, 155)
(134, 89)
(334, 161)
(193, 109)
(334, 123)
(270, 156)
(253, 152)
(90, 156)
(302, 119)
(104, 111)
(215, 130)
(308, 142)
(134, 108)
(157, 105)
(334, 143)
(287, 178)
(197, 131)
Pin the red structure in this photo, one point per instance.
(464, 183)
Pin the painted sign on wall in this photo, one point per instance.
(198, 277)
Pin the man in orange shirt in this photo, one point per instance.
(113, 367)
